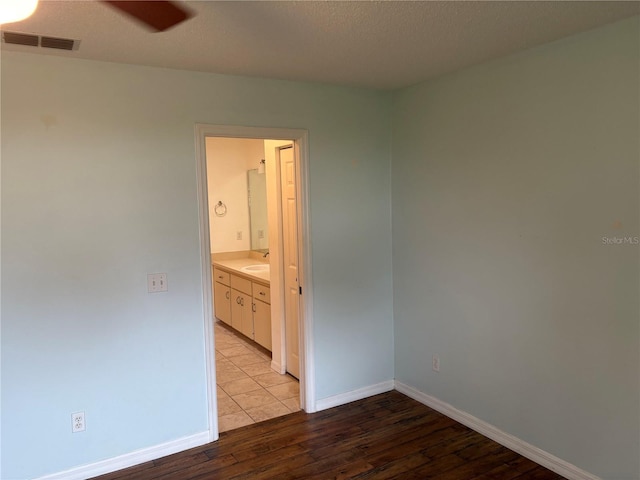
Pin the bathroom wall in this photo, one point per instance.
(258, 213)
(509, 178)
(228, 160)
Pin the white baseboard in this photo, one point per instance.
(354, 395)
(276, 367)
(525, 449)
(130, 459)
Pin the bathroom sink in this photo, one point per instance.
(261, 267)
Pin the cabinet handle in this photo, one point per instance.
(253, 307)
(220, 277)
(241, 301)
(262, 293)
(238, 300)
(227, 295)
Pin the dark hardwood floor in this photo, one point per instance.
(388, 436)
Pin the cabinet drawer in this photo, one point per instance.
(220, 276)
(261, 292)
(241, 284)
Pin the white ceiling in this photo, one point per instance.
(377, 44)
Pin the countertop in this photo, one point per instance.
(236, 265)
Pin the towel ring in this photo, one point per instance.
(220, 209)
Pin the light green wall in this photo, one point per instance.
(99, 189)
(506, 176)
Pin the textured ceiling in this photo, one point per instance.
(385, 45)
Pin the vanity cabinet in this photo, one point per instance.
(243, 304)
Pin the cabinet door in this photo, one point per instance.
(247, 317)
(262, 323)
(241, 316)
(222, 302)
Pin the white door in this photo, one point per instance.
(290, 260)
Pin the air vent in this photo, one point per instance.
(20, 39)
(59, 43)
(15, 38)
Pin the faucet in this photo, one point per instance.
(265, 255)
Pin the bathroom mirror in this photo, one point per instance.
(259, 228)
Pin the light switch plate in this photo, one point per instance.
(157, 282)
(435, 363)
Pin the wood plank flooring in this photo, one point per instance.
(388, 436)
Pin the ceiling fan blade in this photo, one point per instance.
(156, 14)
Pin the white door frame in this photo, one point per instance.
(301, 145)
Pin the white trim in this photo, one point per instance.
(275, 366)
(274, 214)
(207, 300)
(307, 365)
(353, 395)
(525, 449)
(301, 141)
(130, 459)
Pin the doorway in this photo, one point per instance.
(275, 141)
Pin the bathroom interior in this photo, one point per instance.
(253, 235)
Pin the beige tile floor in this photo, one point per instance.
(249, 391)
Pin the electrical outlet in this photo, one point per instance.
(435, 363)
(77, 422)
(157, 282)
(239, 235)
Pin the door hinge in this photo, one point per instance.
(300, 290)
